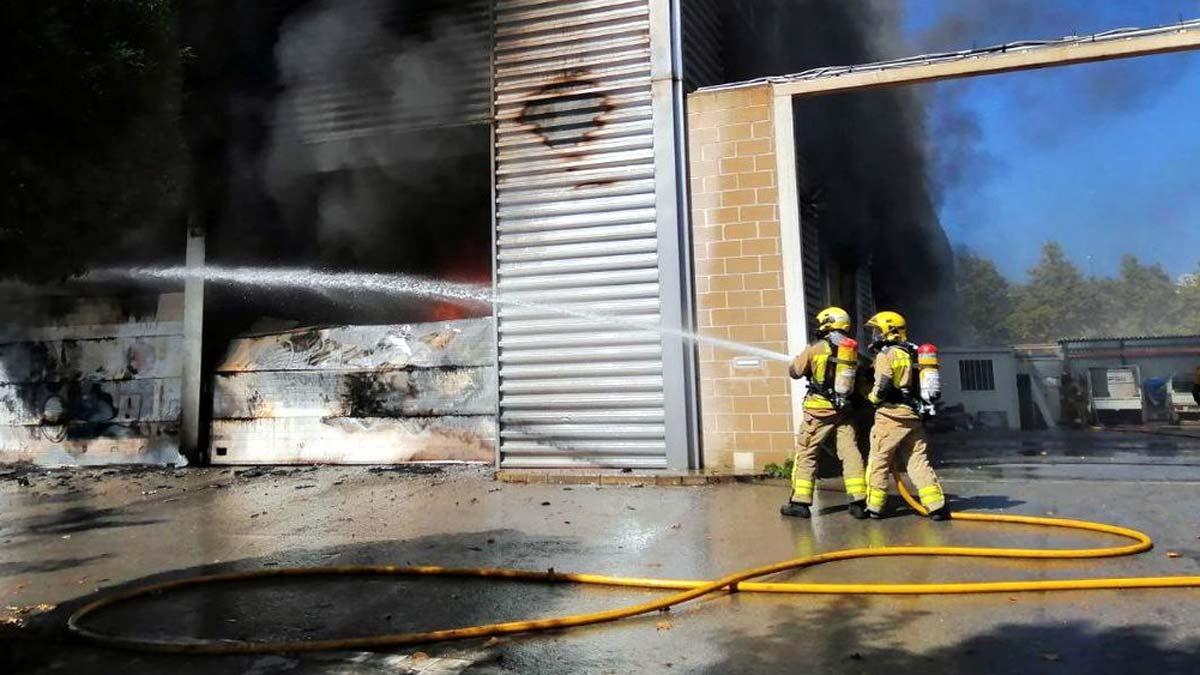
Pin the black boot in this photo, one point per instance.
(873, 515)
(858, 509)
(940, 514)
(795, 510)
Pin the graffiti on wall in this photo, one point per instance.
(61, 400)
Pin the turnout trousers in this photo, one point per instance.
(899, 438)
(819, 425)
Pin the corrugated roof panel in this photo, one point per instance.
(1137, 338)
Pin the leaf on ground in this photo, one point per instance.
(1173, 554)
(663, 625)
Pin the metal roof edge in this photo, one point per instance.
(1021, 45)
(1131, 338)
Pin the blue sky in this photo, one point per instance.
(1103, 157)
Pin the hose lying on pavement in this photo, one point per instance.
(687, 589)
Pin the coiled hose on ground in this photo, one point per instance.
(686, 589)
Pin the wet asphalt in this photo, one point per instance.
(68, 535)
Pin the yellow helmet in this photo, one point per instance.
(833, 318)
(889, 326)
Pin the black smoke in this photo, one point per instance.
(865, 178)
(875, 165)
(336, 135)
(1097, 91)
(331, 134)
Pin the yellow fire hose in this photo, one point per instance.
(687, 589)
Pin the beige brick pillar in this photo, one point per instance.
(746, 410)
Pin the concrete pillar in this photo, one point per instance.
(193, 341)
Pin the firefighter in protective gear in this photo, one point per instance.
(898, 434)
(830, 365)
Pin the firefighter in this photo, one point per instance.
(1196, 387)
(900, 404)
(830, 365)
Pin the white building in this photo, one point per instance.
(984, 381)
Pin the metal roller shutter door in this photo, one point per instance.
(576, 226)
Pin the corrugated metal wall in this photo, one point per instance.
(866, 302)
(379, 67)
(816, 295)
(703, 43)
(578, 224)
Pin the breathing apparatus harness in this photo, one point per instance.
(841, 361)
(911, 394)
(823, 386)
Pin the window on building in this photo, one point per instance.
(976, 375)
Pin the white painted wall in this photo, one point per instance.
(90, 379)
(1003, 398)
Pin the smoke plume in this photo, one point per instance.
(865, 178)
(1090, 93)
(354, 144)
(874, 166)
(371, 124)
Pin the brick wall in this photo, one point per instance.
(746, 412)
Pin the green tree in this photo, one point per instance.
(92, 161)
(985, 300)
(1056, 303)
(1189, 305)
(1142, 300)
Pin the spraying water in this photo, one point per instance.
(402, 284)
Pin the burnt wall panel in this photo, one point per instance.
(358, 395)
(343, 440)
(426, 392)
(90, 379)
(424, 345)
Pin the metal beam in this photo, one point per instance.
(988, 63)
(674, 290)
(791, 244)
(193, 343)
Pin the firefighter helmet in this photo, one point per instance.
(889, 327)
(833, 318)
